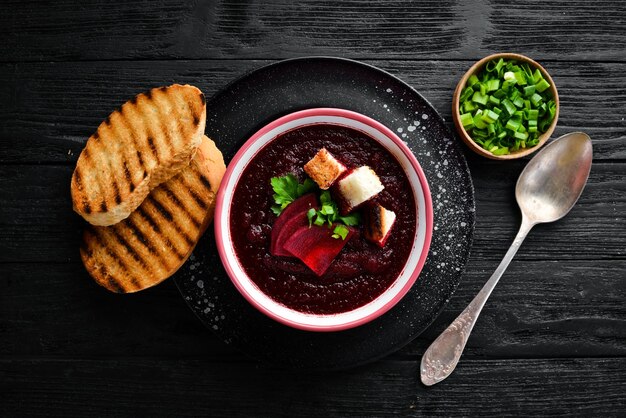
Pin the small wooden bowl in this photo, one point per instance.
(456, 115)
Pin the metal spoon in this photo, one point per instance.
(547, 189)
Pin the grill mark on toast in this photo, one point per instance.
(168, 139)
(176, 201)
(132, 251)
(205, 182)
(196, 119)
(179, 127)
(133, 137)
(153, 148)
(148, 147)
(191, 188)
(117, 258)
(115, 286)
(118, 198)
(130, 221)
(140, 112)
(141, 163)
(107, 149)
(203, 99)
(168, 215)
(162, 210)
(142, 212)
(146, 243)
(121, 240)
(78, 178)
(116, 187)
(113, 131)
(199, 200)
(128, 177)
(96, 135)
(157, 229)
(86, 154)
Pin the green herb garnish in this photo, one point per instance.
(329, 214)
(287, 189)
(340, 231)
(506, 106)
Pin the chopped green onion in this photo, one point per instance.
(493, 85)
(509, 76)
(512, 124)
(469, 106)
(500, 151)
(480, 98)
(467, 120)
(521, 135)
(529, 90)
(478, 122)
(340, 231)
(506, 106)
(489, 116)
(542, 85)
(466, 94)
(472, 80)
(536, 99)
(520, 78)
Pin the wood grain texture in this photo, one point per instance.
(39, 225)
(550, 341)
(197, 387)
(48, 113)
(362, 29)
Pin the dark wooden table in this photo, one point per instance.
(552, 338)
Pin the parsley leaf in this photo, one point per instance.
(287, 189)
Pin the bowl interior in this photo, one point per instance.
(456, 116)
(421, 241)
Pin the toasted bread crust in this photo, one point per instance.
(157, 238)
(145, 142)
(324, 169)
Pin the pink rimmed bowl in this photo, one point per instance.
(421, 242)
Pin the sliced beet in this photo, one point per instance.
(293, 216)
(316, 247)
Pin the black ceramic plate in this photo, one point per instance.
(268, 93)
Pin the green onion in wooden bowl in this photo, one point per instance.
(506, 106)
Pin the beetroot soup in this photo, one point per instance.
(361, 270)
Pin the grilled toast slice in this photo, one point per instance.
(156, 239)
(145, 142)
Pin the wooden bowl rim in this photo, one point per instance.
(456, 115)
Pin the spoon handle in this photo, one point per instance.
(442, 356)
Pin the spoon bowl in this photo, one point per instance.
(547, 189)
(552, 182)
